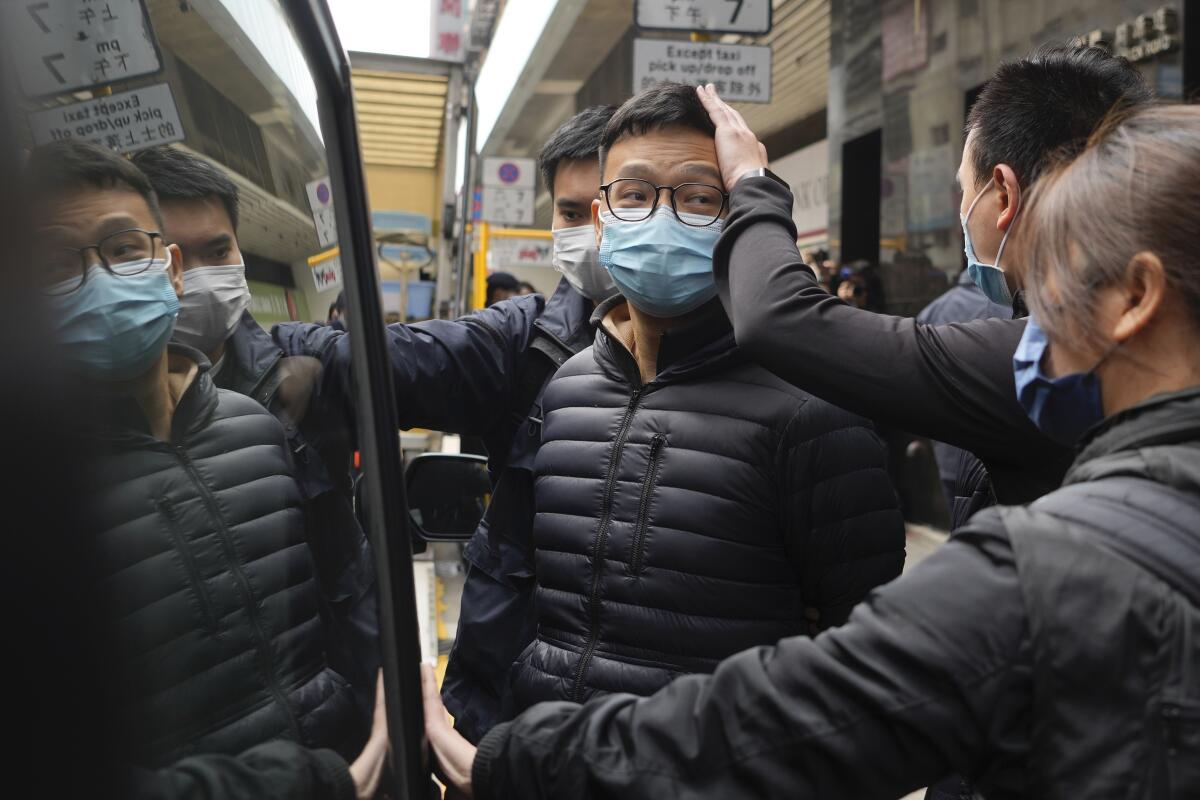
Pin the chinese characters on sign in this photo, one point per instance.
(320, 200)
(507, 253)
(741, 72)
(508, 190)
(715, 16)
(125, 121)
(63, 45)
(326, 270)
(447, 30)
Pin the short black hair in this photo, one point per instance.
(576, 139)
(179, 175)
(1046, 105)
(68, 165)
(503, 280)
(653, 108)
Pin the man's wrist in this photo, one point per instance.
(760, 172)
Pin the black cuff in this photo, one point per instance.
(337, 773)
(481, 770)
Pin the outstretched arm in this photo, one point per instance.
(953, 383)
(908, 691)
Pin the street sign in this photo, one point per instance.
(511, 173)
(508, 190)
(447, 30)
(320, 200)
(741, 72)
(326, 270)
(713, 16)
(65, 45)
(124, 122)
(503, 206)
(506, 252)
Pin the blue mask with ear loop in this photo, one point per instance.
(988, 277)
(1063, 408)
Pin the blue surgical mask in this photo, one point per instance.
(662, 266)
(1063, 408)
(988, 277)
(114, 327)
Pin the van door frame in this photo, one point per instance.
(378, 436)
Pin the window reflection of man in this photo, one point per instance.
(206, 584)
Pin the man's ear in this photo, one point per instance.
(596, 223)
(1009, 195)
(175, 269)
(1145, 287)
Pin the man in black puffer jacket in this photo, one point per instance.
(689, 503)
(197, 539)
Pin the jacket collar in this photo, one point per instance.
(250, 353)
(1160, 421)
(122, 417)
(704, 343)
(566, 317)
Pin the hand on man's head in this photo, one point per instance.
(738, 150)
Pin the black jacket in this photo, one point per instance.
(952, 383)
(1065, 667)
(208, 588)
(318, 419)
(682, 520)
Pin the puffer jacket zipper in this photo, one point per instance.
(643, 515)
(610, 487)
(167, 509)
(266, 657)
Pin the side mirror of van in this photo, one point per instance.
(447, 495)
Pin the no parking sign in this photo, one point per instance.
(508, 190)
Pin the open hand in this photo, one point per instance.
(738, 150)
(453, 755)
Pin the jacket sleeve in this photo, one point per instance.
(277, 769)
(844, 528)
(953, 383)
(454, 376)
(911, 689)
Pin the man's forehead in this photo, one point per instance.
(204, 212)
(89, 210)
(576, 179)
(667, 152)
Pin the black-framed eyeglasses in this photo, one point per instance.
(123, 253)
(635, 200)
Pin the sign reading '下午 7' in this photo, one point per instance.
(64, 45)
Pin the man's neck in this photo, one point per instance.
(157, 392)
(642, 335)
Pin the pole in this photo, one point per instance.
(444, 292)
(468, 193)
(479, 295)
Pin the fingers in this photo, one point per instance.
(762, 149)
(715, 106)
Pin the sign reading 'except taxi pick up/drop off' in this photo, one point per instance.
(741, 72)
(125, 121)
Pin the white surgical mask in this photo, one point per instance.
(576, 257)
(214, 299)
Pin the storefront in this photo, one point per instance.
(903, 74)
